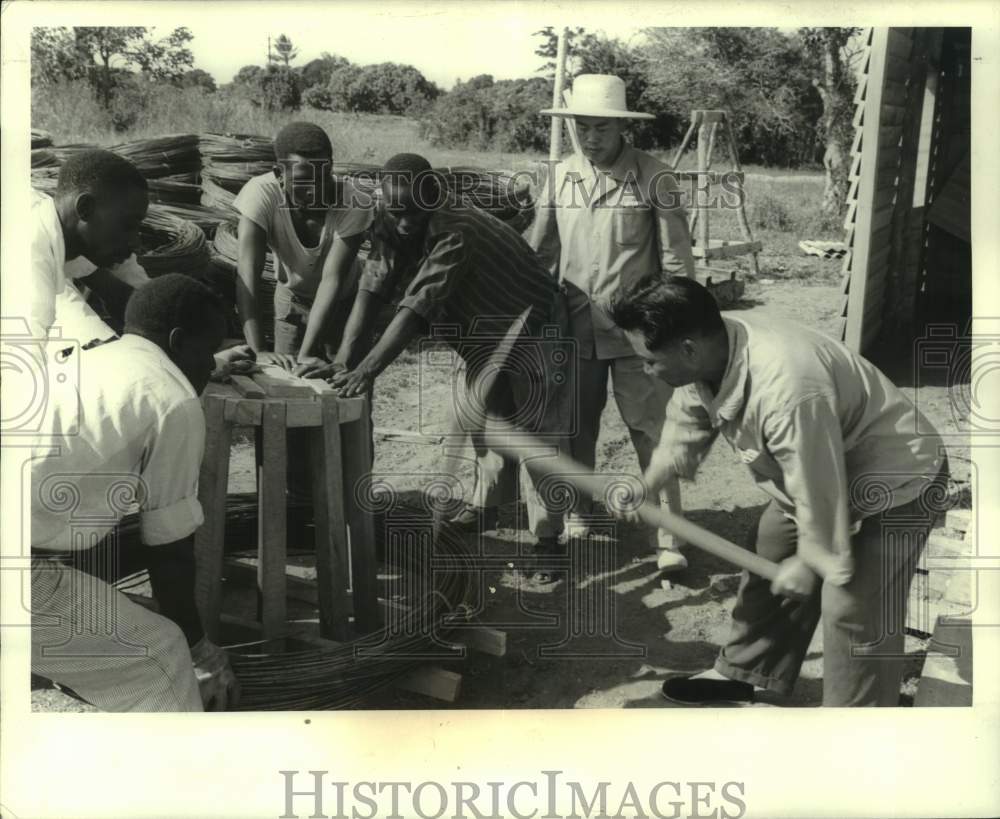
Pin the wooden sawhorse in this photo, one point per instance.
(341, 461)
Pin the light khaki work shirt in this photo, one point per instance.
(822, 430)
(601, 231)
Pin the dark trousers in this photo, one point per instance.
(862, 621)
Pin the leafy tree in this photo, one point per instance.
(486, 115)
(758, 75)
(104, 55)
(317, 72)
(284, 51)
(578, 40)
(197, 78)
(167, 58)
(106, 48)
(55, 57)
(278, 90)
(248, 75)
(385, 88)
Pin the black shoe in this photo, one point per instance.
(476, 519)
(696, 691)
(535, 573)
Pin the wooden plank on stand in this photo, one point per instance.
(247, 387)
(280, 386)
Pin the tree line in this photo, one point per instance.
(789, 93)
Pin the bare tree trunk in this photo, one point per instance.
(835, 109)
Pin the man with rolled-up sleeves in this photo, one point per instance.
(606, 217)
(131, 433)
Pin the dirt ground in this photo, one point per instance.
(638, 631)
(655, 630)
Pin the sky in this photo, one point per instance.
(443, 45)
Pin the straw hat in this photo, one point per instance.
(597, 95)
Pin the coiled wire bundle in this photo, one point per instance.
(343, 676)
(172, 245)
(224, 254)
(229, 161)
(178, 189)
(162, 156)
(40, 138)
(496, 192)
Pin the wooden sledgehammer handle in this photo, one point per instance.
(584, 480)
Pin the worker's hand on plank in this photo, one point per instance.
(327, 371)
(220, 690)
(794, 579)
(307, 365)
(283, 360)
(353, 383)
(239, 360)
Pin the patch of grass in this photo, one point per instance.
(782, 205)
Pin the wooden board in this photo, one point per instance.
(950, 209)
(433, 682)
(247, 387)
(331, 533)
(358, 459)
(271, 538)
(299, 412)
(277, 387)
(725, 251)
(210, 537)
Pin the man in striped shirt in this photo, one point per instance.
(474, 282)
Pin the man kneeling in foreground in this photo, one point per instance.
(133, 430)
(845, 458)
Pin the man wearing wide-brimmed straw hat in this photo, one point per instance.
(607, 215)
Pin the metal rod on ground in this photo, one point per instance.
(555, 134)
(518, 444)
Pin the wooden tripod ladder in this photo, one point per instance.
(708, 124)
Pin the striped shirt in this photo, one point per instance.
(477, 277)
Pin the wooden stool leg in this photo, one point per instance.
(364, 565)
(210, 539)
(330, 520)
(271, 526)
